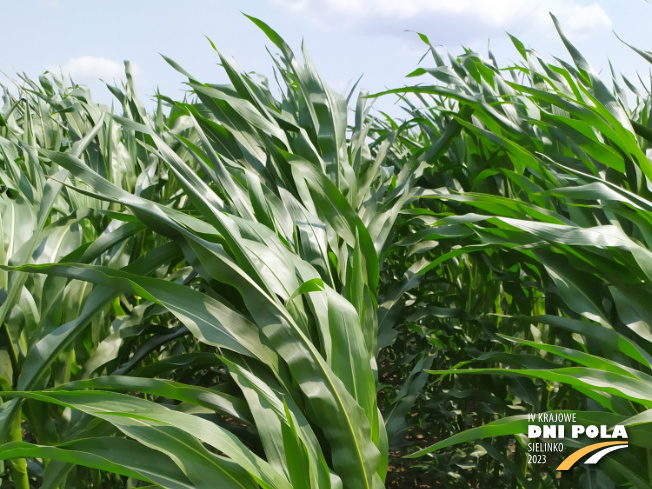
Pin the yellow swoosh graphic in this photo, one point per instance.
(575, 456)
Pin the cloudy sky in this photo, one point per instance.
(345, 38)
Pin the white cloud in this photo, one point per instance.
(458, 21)
(95, 72)
(584, 21)
(90, 68)
(93, 67)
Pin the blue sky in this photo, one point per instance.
(345, 38)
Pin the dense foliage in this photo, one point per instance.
(249, 288)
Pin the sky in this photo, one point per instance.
(346, 39)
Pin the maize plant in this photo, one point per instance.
(238, 249)
(532, 238)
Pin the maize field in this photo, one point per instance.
(270, 285)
